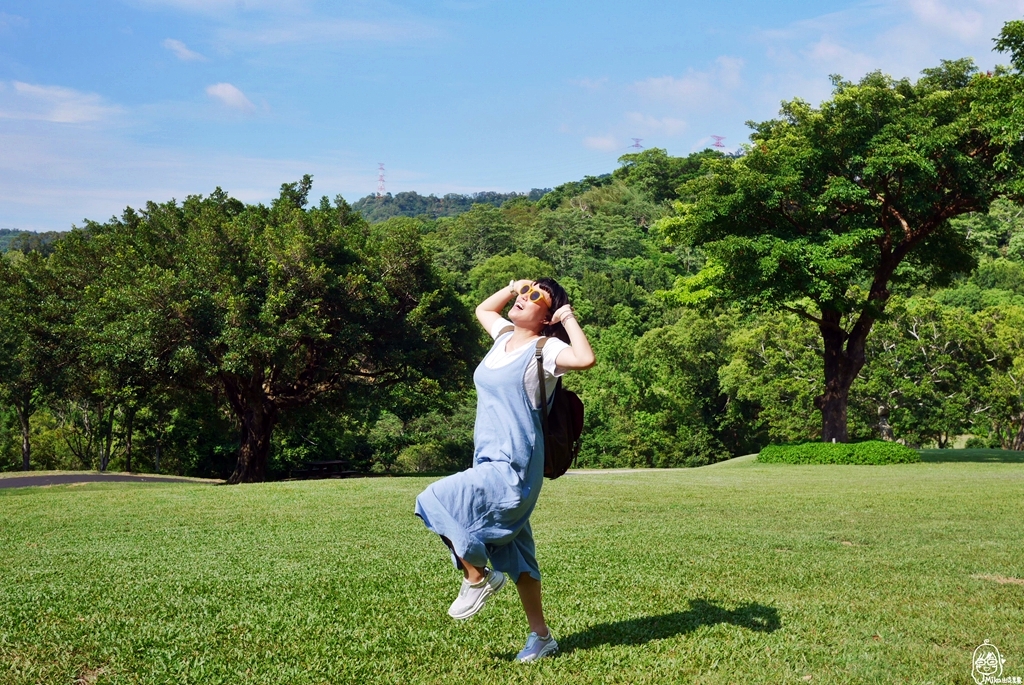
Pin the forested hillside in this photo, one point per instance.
(25, 241)
(375, 209)
(880, 235)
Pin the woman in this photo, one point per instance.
(484, 513)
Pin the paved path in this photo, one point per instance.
(66, 478)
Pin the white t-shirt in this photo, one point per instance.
(498, 357)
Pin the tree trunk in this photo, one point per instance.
(129, 421)
(257, 416)
(79, 441)
(161, 426)
(833, 404)
(24, 411)
(106, 438)
(842, 364)
(254, 445)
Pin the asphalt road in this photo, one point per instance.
(28, 481)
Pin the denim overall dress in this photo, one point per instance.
(484, 512)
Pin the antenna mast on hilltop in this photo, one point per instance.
(380, 180)
(636, 144)
(718, 141)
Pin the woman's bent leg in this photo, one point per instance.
(529, 595)
(474, 574)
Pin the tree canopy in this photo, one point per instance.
(832, 206)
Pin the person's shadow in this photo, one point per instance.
(638, 631)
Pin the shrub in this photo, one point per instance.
(418, 459)
(879, 452)
(703, 449)
(431, 457)
(983, 442)
(870, 452)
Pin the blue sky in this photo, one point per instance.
(112, 103)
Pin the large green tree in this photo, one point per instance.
(27, 339)
(832, 206)
(283, 306)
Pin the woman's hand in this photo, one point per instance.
(516, 286)
(489, 311)
(562, 313)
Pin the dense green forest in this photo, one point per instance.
(412, 204)
(857, 273)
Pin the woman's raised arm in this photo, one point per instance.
(489, 311)
(578, 355)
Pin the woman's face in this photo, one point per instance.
(531, 315)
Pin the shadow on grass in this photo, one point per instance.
(973, 455)
(638, 631)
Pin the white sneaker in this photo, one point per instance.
(471, 598)
(537, 647)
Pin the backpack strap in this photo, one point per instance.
(538, 354)
(505, 330)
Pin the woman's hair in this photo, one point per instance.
(558, 298)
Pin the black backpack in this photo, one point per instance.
(563, 425)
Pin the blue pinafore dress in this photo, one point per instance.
(484, 512)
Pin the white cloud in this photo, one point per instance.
(634, 124)
(230, 96)
(181, 51)
(695, 88)
(899, 37)
(52, 103)
(828, 54)
(52, 176)
(603, 143)
(9, 20)
(964, 24)
(646, 124)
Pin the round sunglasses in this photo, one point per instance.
(534, 294)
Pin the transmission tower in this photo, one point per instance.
(380, 180)
(718, 141)
(636, 144)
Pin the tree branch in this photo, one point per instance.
(810, 317)
(907, 231)
(791, 220)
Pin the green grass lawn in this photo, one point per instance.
(735, 573)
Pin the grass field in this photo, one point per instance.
(734, 573)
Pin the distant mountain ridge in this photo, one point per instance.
(27, 241)
(411, 203)
(373, 209)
